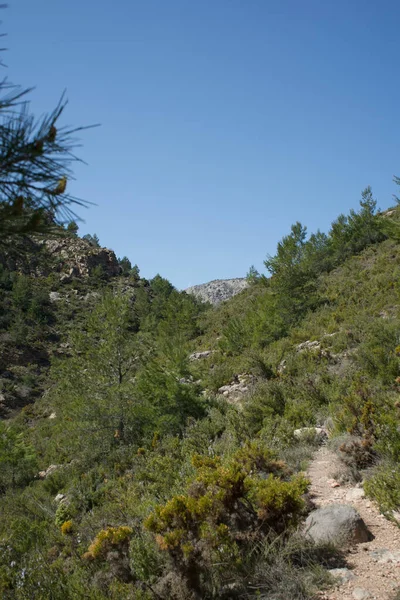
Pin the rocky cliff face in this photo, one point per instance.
(35, 327)
(77, 258)
(218, 290)
(71, 257)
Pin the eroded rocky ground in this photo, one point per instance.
(373, 568)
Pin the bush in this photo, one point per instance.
(384, 487)
(17, 459)
(109, 539)
(67, 527)
(225, 510)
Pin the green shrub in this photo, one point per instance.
(107, 539)
(63, 515)
(384, 487)
(225, 510)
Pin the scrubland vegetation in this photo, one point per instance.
(127, 475)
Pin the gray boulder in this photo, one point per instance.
(337, 523)
(342, 575)
(319, 434)
(355, 494)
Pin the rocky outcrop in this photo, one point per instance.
(237, 389)
(337, 523)
(47, 472)
(74, 257)
(67, 255)
(218, 290)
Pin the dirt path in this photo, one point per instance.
(375, 566)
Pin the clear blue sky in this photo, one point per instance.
(222, 121)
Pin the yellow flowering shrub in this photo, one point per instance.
(226, 508)
(116, 538)
(67, 527)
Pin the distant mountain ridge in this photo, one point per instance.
(218, 290)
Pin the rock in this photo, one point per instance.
(355, 494)
(389, 212)
(60, 498)
(308, 345)
(48, 471)
(238, 388)
(344, 575)
(381, 555)
(63, 348)
(55, 297)
(281, 367)
(200, 355)
(77, 258)
(337, 523)
(361, 594)
(319, 433)
(53, 415)
(218, 290)
(396, 516)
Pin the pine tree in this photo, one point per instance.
(36, 158)
(35, 168)
(95, 390)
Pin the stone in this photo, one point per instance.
(355, 494)
(53, 415)
(238, 388)
(396, 516)
(337, 523)
(55, 296)
(60, 498)
(200, 355)
(281, 367)
(344, 575)
(383, 556)
(319, 433)
(308, 345)
(48, 471)
(361, 594)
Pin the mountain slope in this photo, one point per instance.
(218, 290)
(138, 476)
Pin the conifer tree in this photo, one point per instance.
(36, 158)
(96, 384)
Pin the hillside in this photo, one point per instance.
(161, 449)
(218, 290)
(43, 290)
